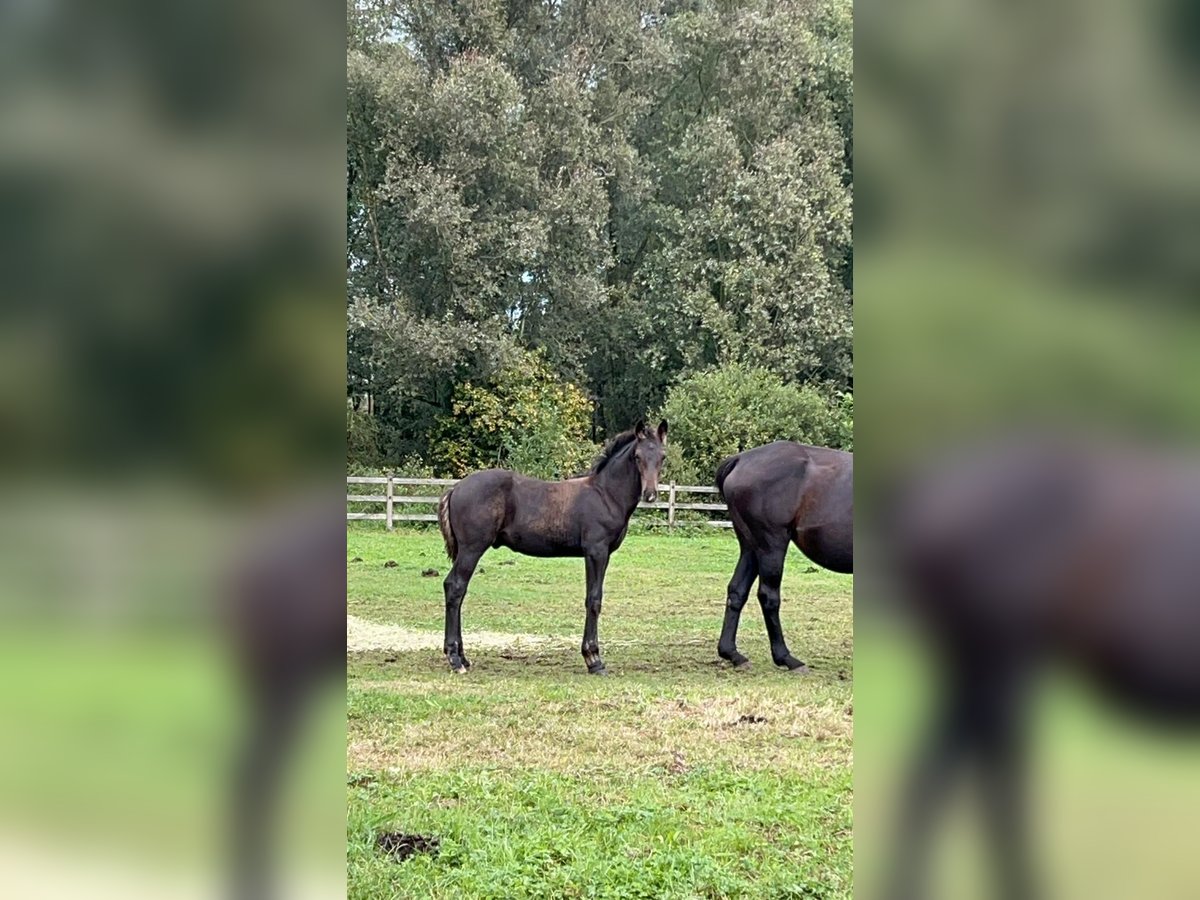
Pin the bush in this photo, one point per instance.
(718, 412)
(526, 418)
(843, 422)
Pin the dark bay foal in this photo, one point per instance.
(778, 494)
(585, 516)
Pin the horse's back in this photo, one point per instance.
(775, 477)
(487, 482)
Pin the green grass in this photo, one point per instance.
(674, 777)
(119, 744)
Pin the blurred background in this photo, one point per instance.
(172, 225)
(1027, 227)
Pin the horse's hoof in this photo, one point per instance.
(597, 670)
(793, 665)
(733, 658)
(459, 670)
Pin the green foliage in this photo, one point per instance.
(640, 192)
(722, 411)
(362, 437)
(526, 418)
(842, 432)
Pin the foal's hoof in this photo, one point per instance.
(459, 664)
(597, 669)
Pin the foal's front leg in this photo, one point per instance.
(597, 563)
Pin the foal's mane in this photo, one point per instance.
(611, 449)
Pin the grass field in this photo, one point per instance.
(674, 777)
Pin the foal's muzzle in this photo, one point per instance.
(650, 495)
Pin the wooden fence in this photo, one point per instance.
(391, 498)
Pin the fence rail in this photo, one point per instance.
(390, 499)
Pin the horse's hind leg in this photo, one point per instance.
(739, 590)
(980, 720)
(455, 587)
(770, 576)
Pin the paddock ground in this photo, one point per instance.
(674, 777)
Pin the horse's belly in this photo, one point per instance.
(537, 544)
(829, 548)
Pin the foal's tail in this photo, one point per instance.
(723, 471)
(444, 525)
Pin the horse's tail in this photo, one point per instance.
(723, 471)
(444, 525)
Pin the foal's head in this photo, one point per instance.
(648, 453)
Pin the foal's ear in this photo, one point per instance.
(640, 429)
(662, 431)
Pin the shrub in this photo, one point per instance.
(526, 418)
(721, 411)
(843, 422)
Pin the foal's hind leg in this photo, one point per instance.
(739, 590)
(455, 587)
(770, 576)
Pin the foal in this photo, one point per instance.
(585, 516)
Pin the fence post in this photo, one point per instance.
(671, 507)
(390, 504)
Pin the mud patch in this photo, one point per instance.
(401, 846)
(787, 718)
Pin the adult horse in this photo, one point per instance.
(585, 516)
(1028, 551)
(778, 494)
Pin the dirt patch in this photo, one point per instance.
(401, 846)
(790, 718)
(363, 637)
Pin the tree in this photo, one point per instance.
(638, 191)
